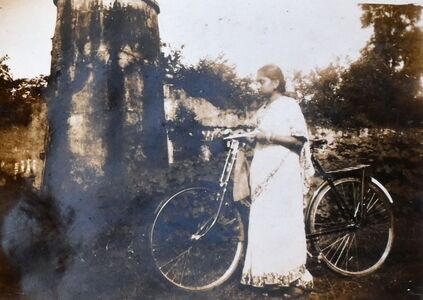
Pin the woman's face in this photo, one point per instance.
(267, 86)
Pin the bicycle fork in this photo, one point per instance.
(223, 184)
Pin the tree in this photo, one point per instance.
(212, 79)
(382, 87)
(18, 98)
(5, 75)
(319, 94)
(6, 85)
(384, 83)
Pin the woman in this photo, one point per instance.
(276, 251)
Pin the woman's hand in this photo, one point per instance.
(291, 142)
(262, 136)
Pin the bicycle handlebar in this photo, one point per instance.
(240, 135)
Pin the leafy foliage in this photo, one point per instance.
(5, 75)
(319, 92)
(17, 97)
(185, 131)
(391, 63)
(211, 79)
(383, 87)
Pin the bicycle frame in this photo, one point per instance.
(339, 201)
(234, 146)
(341, 205)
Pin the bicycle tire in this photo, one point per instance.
(207, 262)
(341, 251)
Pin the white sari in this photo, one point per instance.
(276, 251)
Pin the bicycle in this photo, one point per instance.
(197, 237)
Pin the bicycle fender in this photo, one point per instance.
(379, 185)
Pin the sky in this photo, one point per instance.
(297, 35)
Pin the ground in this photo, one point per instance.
(123, 252)
(117, 264)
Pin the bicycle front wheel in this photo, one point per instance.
(184, 255)
(355, 240)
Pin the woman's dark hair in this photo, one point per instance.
(275, 73)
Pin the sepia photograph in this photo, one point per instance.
(211, 149)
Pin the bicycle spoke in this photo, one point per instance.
(354, 192)
(343, 203)
(377, 211)
(356, 206)
(330, 246)
(330, 231)
(330, 224)
(374, 226)
(378, 219)
(347, 257)
(371, 199)
(380, 214)
(352, 246)
(339, 246)
(359, 204)
(356, 251)
(362, 199)
(184, 268)
(173, 259)
(343, 248)
(180, 242)
(358, 199)
(185, 259)
(370, 206)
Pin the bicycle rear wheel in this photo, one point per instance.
(187, 260)
(357, 245)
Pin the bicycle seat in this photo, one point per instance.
(349, 169)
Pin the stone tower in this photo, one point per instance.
(106, 111)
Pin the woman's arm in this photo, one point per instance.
(294, 143)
